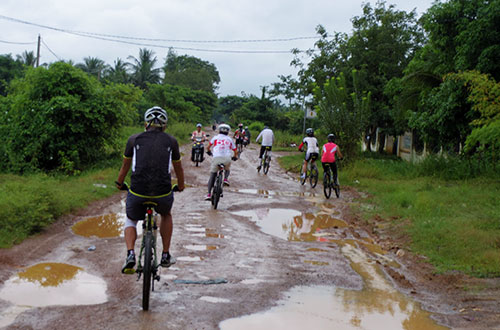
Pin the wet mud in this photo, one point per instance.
(274, 254)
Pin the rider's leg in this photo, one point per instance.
(192, 154)
(304, 167)
(211, 181)
(130, 234)
(335, 172)
(166, 228)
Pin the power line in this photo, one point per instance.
(17, 43)
(50, 50)
(156, 39)
(117, 39)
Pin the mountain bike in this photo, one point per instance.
(147, 262)
(328, 183)
(239, 144)
(265, 161)
(311, 173)
(219, 183)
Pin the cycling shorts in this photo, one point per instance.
(311, 156)
(136, 210)
(263, 148)
(214, 167)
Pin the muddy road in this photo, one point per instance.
(275, 255)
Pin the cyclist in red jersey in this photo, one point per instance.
(328, 156)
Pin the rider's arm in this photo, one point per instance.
(258, 137)
(338, 151)
(127, 162)
(179, 173)
(301, 145)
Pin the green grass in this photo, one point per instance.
(30, 202)
(455, 223)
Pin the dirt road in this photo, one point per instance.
(283, 255)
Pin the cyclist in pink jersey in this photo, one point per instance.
(328, 156)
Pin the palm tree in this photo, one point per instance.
(27, 58)
(143, 71)
(118, 73)
(93, 66)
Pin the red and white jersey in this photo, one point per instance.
(222, 146)
(329, 151)
(201, 134)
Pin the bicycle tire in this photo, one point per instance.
(267, 161)
(337, 188)
(218, 190)
(314, 176)
(327, 186)
(302, 179)
(146, 270)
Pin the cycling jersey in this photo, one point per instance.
(239, 134)
(222, 146)
(329, 151)
(311, 143)
(267, 136)
(152, 153)
(199, 134)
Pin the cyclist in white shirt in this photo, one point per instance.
(267, 136)
(312, 150)
(224, 149)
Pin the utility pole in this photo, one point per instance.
(38, 52)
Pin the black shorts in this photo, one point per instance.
(263, 148)
(333, 166)
(136, 210)
(311, 156)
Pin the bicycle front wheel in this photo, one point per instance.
(146, 275)
(217, 191)
(327, 187)
(314, 176)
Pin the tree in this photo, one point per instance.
(190, 71)
(93, 66)
(143, 69)
(27, 58)
(118, 73)
(342, 113)
(9, 69)
(59, 118)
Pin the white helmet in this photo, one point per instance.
(156, 116)
(224, 128)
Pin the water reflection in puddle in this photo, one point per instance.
(195, 247)
(377, 306)
(291, 224)
(103, 226)
(270, 193)
(48, 284)
(215, 299)
(188, 258)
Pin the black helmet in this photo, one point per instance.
(331, 137)
(309, 132)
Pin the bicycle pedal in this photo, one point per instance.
(157, 278)
(129, 271)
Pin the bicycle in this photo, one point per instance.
(328, 185)
(311, 173)
(265, 161)
(147, 262)
(239, 144)
(219, 183)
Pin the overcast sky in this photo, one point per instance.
(191, 20)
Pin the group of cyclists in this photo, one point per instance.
(153, 153)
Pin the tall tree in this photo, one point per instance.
(118, 72)
(93, 66)
(191, 72)
(27, 58)
(143, 69)
(9, 69)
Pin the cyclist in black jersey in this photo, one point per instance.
(151, 155)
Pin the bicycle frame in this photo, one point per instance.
(149, 225)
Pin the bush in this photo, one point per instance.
(60, 118)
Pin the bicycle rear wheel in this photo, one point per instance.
(327, 187)
(266, 164)
(217, 191)
(314, 176)
(337, 188)
(146, 271)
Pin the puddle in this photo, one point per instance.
(48, 284)
(291, 224)
(252, 281)
(187, 258)
(316, 263)
(215, 299)
(270, 193)
(377, 306)
(103, 226)
(201, 247)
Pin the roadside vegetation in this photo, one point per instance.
(438, 208)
